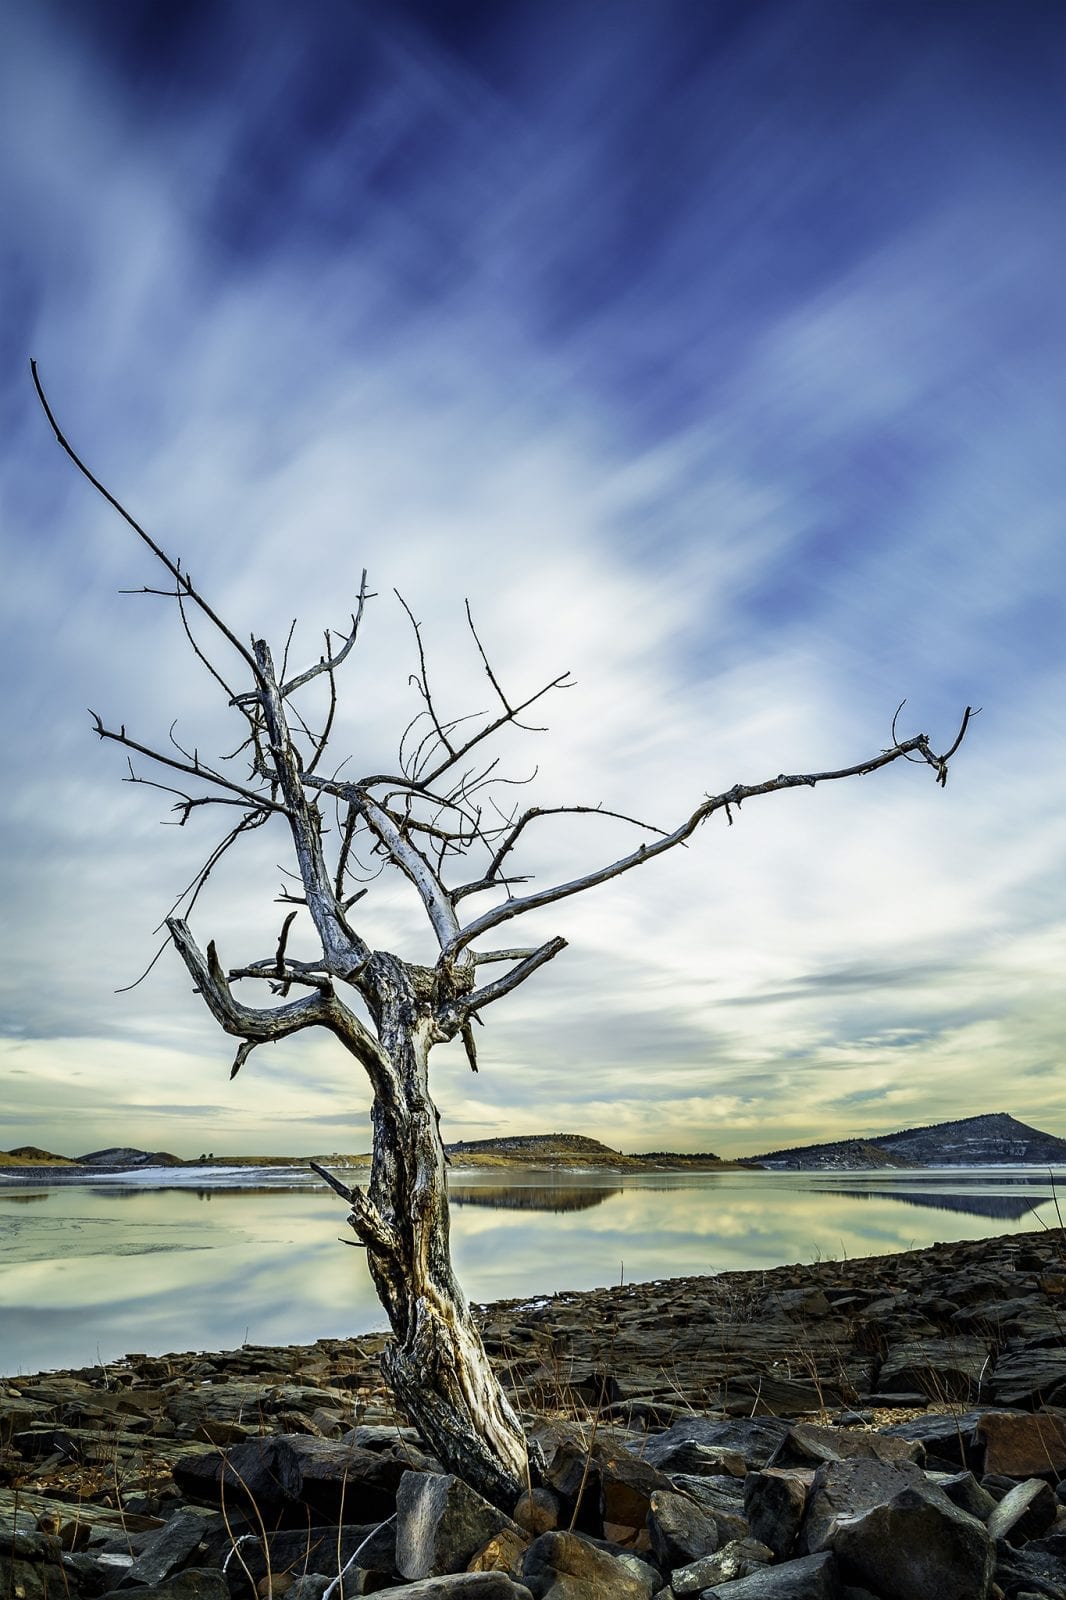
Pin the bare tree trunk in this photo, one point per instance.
(437, 1367)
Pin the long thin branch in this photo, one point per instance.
(194, 769)
(491, 879)
(515, 907)
(339, 942)
(159, 553)
(329, 663)
(490, 728)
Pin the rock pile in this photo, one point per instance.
(890, 1429)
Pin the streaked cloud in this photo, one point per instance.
(713, 355)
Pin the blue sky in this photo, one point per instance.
(715, 352)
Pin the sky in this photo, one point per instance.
(713, 350)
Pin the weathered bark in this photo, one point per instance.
(437, 1367)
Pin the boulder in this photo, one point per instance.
(808, 1442)
(964, 1491)
(627, 1488)
(680, 1530)
(724, 1507)
(753, 1439)
(738, 1559)
(1038, 1568)
(538, 1510)
(916, 1546)
(195, 1583)
(567, 1566)
(846, 1488)
(774, 1504)
(1030, 1378)
(291, 1474)
(461, 1586)
(941, 1369)
(441, 1523)
(810, 1578)
(1024, 1444)
(504, 1552)
(951, 1438)
(171, 1548)
(1026, 1512)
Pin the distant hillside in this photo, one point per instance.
(28, 1155)
(991, 1140)
(537, 1150)
(123, 1157)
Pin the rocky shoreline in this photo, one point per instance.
(893, 1427)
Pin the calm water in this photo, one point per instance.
(89, 1273)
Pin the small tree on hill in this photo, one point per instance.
(431, 819)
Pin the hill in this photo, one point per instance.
(537, 1150)
(996, 1139)
(123, 1157)
(28, 1155)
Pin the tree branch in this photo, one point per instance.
(267, 1026)
(515, 907)
(470, 1004)
(193, 769)
(328, 663)
(413, 863)
(344, 949)
(172, 566)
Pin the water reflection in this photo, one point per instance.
(88, 1273)
(1004, 1207)
(548, 1197)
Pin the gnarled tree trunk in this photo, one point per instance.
(437, 1367)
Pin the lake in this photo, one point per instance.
(91, 1272)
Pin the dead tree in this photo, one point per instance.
(436, 819)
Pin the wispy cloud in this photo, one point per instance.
(713, 358)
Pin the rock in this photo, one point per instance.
(810, 1578)
(504, 1552)
(465, 1586)
(627, 1488)
(680, 1531)
(1027, 1511)
(299, 1551)
(846, 1488)
(1023, 1445)
(1031, 1378)
(738, 1559)
(806, 1441)
(964, 1491)
(753, 1439)
(726, 1510)
(333, 1480)
(312, 1586)
(917, 1546)
(951, 1438)
(538, 1511)
(802, 1305)
(554, 1558)
(171, 1548)
(942, 1369)
(195, 1583)
(440, 1523)
(700, 1460)
(774, 1503)
(1035, 1570)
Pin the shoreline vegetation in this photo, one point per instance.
(892, 1423)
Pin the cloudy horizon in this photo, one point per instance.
(715, 355)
